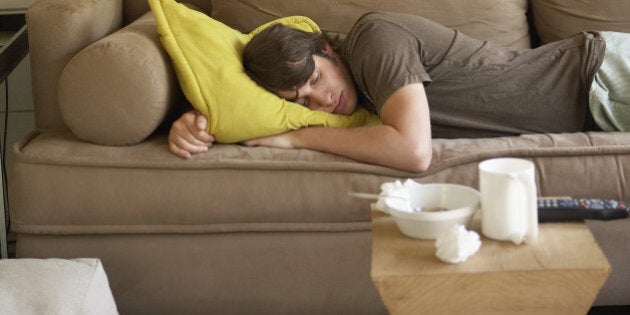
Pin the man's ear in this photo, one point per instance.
(328, 50)
(331, 53)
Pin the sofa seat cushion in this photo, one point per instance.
(64, 185)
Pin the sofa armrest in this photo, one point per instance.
(57, 30)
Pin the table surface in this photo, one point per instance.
(560, 246)
(563, 271)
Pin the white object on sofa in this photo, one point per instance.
(54, 286)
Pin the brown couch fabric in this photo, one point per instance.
(118, 90)
(504, 22)
(259, 230)
(558, 19)
(57, 30)
(144, 189)
(228, 273)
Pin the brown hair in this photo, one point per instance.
(280, 58)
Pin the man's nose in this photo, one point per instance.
(323, 98)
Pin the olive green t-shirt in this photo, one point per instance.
(474, 88)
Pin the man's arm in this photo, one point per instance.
(403, 141)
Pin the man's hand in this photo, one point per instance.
(284, 141)
(188, 135)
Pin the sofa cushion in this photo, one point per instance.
(62, 185)
(558, 19)
(55, 286)
(207, 58)
(503, 22)
(119, 89)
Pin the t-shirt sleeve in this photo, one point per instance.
(384, 57)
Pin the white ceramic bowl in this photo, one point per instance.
(458, 204)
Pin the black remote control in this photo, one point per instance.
(574, 209)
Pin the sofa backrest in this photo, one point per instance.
(133, 9)
(58, 29)
(557, 19)
(500, 21)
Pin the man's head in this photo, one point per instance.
(300, 67)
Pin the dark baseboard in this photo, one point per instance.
(610, 310)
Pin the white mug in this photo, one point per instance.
(509, 210)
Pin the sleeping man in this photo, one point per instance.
(426, 80)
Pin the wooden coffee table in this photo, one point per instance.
(561, 274)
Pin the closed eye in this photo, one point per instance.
(315, 78)
(312, 83)
(305, 99)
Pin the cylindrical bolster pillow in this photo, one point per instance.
(118, 90)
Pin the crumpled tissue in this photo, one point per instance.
(456, 244)
(397, 195)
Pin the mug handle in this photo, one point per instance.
(531, 216)
(528, 223)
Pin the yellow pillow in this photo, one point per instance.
(207, 58)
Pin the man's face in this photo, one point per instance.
(330, 88)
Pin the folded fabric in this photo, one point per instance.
(55, 286)
(207, 58)
(609, 95)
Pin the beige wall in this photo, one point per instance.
(20, 118)
(15, 4)
(16, 104)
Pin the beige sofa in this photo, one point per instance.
(254, 230)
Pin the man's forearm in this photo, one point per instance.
(381, 144)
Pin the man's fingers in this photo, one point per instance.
(185, 130)
(179, 152)
(189, 144)
(186, 150)
(188, 136)
(250, 143)
(201, 122)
